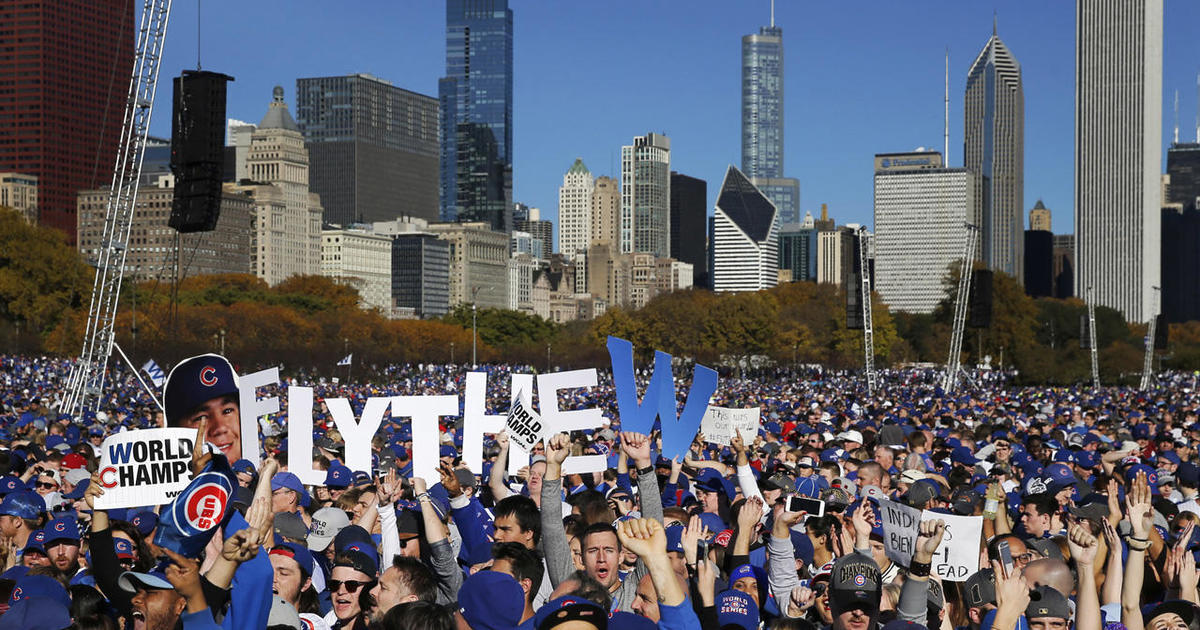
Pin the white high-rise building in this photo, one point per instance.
(1118, 152)
(287, 217)
(745, 237)
(645, 222)
(575, 211)
(921, 212)
(994, 147)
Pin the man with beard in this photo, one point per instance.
(154, 603)
(62, 546)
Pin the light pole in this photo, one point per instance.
(222, 342)
(474, 334)
(547, 357)
(451, 353)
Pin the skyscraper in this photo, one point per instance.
(762, 120)
(994, 122)
(798, 249)
(65, 67)
(689, 211)
(745, 237)
(606, 207)
(1118, 138)
(1181, 234)
(476, 97)
(1039, 217)
(373, 148)
(287, 217)
(575, 211)
(921, 212)
(645, 222)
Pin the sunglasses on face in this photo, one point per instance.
(47, 485)
(352, 586)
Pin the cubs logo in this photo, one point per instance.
(17, 594)
(39, 537)
(202, 504)
(60, 526)
(208, 376)
(206, 506)
(860, 579)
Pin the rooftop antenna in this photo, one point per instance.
(772, 13)
(993, 22)
(1175, 140)
(946, 125)
(1198, 107)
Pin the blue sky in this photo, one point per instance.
(861, 78)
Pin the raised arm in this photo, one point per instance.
(500, 469)
(1083, 547)
(1137, 504)
(913, 594)
(554, 536)
(637, 447)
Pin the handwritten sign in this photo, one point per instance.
(720, 424)
(524, 425)
(957, 558)
(900, 524)
(144, 467)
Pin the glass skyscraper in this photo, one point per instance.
(476, 102)
(762, 120)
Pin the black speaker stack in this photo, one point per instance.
(197, 149)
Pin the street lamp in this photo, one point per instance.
(474, 333)
(451, 353)
(547, 357)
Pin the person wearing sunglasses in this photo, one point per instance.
(350, 585)
(47, 482)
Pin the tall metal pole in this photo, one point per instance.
(950, 380)
(868, 326)
(1147, 364)
(1091, 312)
(474, 336)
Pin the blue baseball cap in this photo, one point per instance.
(145, 522)
(447, 451)
(297, 552)
(675, 538)
(77, 492)
(735, 608)
(338, 477)
(287, 480)
(10, 484)
(44, 586)
(244, 466)
(122, 547)
(195, 381)
(64, 528)
(36, 613)
(566, 608)
(36, 542)
(25, 504)
(1058, 476)
(131, 581)
(490, 600)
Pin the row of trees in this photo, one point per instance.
(311, 322)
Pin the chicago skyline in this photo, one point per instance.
(843, 108)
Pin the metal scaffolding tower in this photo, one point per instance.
(86, 383)
(953, 367)
(868, 326)
(1148, 362)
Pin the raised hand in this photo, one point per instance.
(637, 447)
(559, 448)
(184, 574)
(706, 577)
(690, 538)
(1083, 545)
(1012, 591)
(643, 536)
(388, 487)
(861, 522)
(502, 439)
(449, 480)
(1138, 504)
(802, 598)
(200, 455)
(750, 514)
(240, 547)
(929, 536)
(261, 520)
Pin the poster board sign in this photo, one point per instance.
(957, 558)
(144, 467)
(900, 523)
(720, 424)
(525, 427)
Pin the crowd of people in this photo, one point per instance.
(1089, 500)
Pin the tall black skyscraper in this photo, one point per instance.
(476, 98)
(1039, 263)
(1181, 235)
(372, 147)
(689, 209)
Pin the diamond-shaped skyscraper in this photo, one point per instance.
(745, 237)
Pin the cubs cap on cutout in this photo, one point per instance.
(854, 583)
(195, 381)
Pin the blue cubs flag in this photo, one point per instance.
(189, 522)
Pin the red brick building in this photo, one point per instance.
(64, 78)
